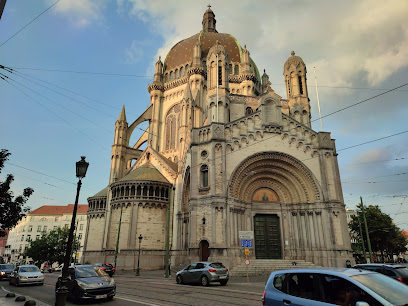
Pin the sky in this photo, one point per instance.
(80, 61)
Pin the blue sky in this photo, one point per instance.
(49, 118)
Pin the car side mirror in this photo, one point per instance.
(362, 304)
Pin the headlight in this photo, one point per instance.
(2, 273)
(23, 277)
(112, 282)
(83, 285)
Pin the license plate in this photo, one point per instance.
(103, 296)
(222, 277)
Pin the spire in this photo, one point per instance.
(209, 21)
(158, 75)
(122, 116)
(245, 61)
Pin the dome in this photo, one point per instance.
(181, 53)
(145, 172)
(293, 59)
(102, 193)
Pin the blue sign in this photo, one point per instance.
(246, 243)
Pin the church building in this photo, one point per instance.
(223, 153)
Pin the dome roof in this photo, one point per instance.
(145, 172)
(182, 52)
(102, 193)
(293, 59)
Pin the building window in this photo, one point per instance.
(204, 176)
(219, 74)
(22, 238)
(37, 237)
(300, 85)
(30, 228)
(44, 228)
(66, 226)
(39, 228)
(28, 237)
(79, 236)
(55, 228)
(248, 111)
(56, 219)
(81, 227)
(236, 70)
(23, 229)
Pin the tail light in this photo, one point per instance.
(212, 270)
(400, 279)
(226, 269)
(263, 297)
(113, 269)
(102, 268)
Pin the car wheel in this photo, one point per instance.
(204, 280)
(223, 282)
(179, 279)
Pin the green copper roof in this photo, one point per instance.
(145, 172)
(102, 193)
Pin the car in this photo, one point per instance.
(332, 286)
(5, 270)
(108, 268)
(395, 271)
(59, 268)
(203, 272)
(26, 275)
(87, 282)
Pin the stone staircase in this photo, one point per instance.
(266, 266)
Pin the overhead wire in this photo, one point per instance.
(30, 22)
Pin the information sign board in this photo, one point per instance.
(246, 243)
(246, 235)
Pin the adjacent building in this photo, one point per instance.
(225, 153)
(41, 221)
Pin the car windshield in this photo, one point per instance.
(29, 269)
(88, 271)
(217, 265)
(393, 291)
(3, 267)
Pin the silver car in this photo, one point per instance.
(25, 275)
(333, 286)
(203, 272)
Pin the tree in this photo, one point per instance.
(386, 238)
(50, 247)
(12, 209)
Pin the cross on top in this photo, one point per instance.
(209, 6)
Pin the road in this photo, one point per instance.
(150, 289)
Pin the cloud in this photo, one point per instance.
(134, 53)
(80, 13)
(374, 155)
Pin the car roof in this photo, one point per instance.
(396, 266)
(333, 271)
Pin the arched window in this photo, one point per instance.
(248, 111)
(171, 75)
(151, 191)
(300, 85)
(230, 69)
(236, 71)
(172, 126)
(132, 191)
(177, 74)
(138, 190)
(182, 71)
(166, 77)
(204, 176)
(187, 68)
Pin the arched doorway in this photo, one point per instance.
(204, 250)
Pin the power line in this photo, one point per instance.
(67, 122)
(360, 144)
(30, 22)
(396, 174)
(378, 161)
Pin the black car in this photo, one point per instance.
(108, 268)
(88, 282)
(397, 272)
(5, 270)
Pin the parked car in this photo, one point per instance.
(25, 275)
(328, 286)
(204, 273)
(398, 272)
(108, 268)
(5, 270)
(47, 268)
(88, 282)
(59, 268)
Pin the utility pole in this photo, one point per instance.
(366, 229)
(362, 238)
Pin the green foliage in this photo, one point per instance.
(50, 247)
(385, 236)
(11, 209)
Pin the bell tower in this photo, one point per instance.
(294, 71)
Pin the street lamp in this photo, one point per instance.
(138, 258)
(62, 290)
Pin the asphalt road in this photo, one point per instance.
(151, 288)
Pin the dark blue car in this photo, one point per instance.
(5, 271)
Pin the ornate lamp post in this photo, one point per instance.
(138, 258)
(62, 290)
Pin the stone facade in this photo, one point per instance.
(232, 156)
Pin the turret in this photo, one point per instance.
(248, 79)
(120, 143)
(296, 88)
(158, 75)
(209, 21)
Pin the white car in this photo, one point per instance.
(59, 268)
(25, 275)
